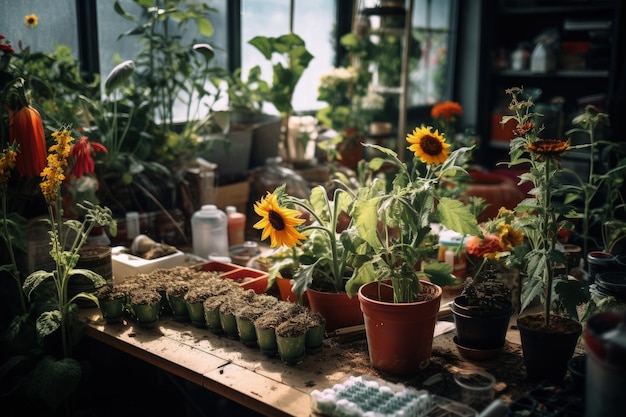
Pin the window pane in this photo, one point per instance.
(57, 24)
(113, 50)
(314, 22)
(431, 26)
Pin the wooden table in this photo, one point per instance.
(268, 386)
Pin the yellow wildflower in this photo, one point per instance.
(54, 173)
(7, 163)
(31, 20)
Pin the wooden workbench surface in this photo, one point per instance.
(268, 386)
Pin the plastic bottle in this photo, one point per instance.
(236, 226)
(209, 232)
(519, 58)
(132, 226)
(542, 59)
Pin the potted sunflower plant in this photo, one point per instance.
(397, 275)
(549, 336)
(321, 246)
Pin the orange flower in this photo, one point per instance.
(486, 247)
(26, 128)
(548, 147)
(81, 154)
(446, 110)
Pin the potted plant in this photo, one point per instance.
(245, 103)
(350, 110)
(548, 339)
(396, 268)
(483, 309)
(145, 306)
(320, 265)
(289, 58)
(600, 192)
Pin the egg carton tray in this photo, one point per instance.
(365, 396)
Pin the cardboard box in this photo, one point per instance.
(236, 194)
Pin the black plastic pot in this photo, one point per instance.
(547, 352)
(612, 284)
(481, 327)
(599, 262)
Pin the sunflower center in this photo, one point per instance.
(276, 220)
(431, 145)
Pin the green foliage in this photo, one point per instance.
(395, 224)
(601, 191)
(289, 58)
(171, 70)
(540, 218)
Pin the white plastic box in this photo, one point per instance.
(126, 264)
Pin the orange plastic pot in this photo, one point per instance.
(337, 308)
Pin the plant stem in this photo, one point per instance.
(14, 270)
(548, 244)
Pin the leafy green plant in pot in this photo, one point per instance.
(320, 265)
(396, 269)
(289, 58)
(540, 218)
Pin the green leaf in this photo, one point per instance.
(94, 277)
(366, 213)
(48, 322)
(440, 273)
(531, 289)
(571, 293)
(55, 381)
(205, 27)
(34, 279)
(457, 216)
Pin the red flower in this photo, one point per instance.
(26, 128)
(483, 247)
(81, 154)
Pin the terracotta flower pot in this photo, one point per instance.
(337, 308)
(547, 351)
(399, 335)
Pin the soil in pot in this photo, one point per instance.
(291, 339)
(546, 351)
(175, 292)
(266, 324)
(112, 302)
(481, 315)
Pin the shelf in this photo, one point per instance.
(552, 74)
(568, 8)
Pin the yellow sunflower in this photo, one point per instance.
(31, 20)
(429, 146)
(279, 223)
